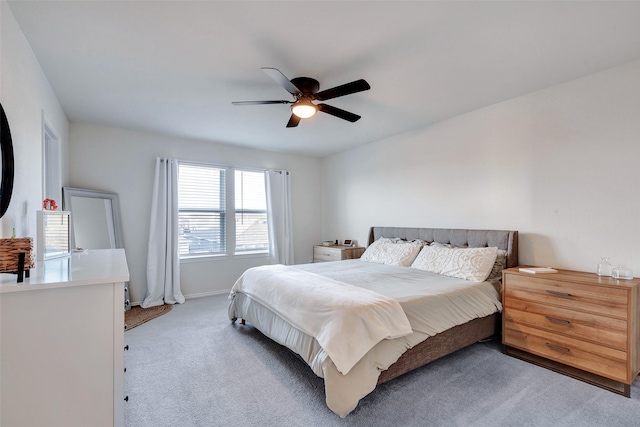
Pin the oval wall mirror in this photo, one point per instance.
(6, 185)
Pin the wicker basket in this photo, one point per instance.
(9, 249)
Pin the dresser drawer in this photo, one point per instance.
(586, 326)
(322, 253)
(603, 300)
(600, 360)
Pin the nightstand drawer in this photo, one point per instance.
(595, 299)
(336, 253)
(600, 360)
(322, 253)
(585, 326)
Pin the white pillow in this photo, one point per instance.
(498, 266)
(391, 252)
(446, 245)
(473, 264)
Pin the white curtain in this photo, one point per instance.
(278, 185)
(163, 262)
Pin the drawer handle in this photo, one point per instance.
(557, 347)
(558, 294)
(555, 320)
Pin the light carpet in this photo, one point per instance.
(192, 367)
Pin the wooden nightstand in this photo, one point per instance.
(336, 253)
(576, 323)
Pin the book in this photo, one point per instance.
(538, 270)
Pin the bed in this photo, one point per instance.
(395, 341)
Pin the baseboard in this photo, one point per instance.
(208, 294)
(194, 296)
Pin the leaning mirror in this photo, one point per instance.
(95, 218)
(6, 146)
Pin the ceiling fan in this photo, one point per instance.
(305, 90)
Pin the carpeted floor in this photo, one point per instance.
(192, 367)
(137, 315)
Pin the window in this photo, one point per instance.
(251, 212)
(204, 195)
(201, 210)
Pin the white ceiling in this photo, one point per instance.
(175, 66)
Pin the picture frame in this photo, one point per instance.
(53, 234)
(348, 242)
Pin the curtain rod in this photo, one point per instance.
(247, 168)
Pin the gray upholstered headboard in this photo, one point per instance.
(502, 239)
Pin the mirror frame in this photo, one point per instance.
(69, 192)
(6, 185)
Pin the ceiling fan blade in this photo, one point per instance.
(260, 102)
(282, 80)
(345, 115)
(342, 90)
(293, 121)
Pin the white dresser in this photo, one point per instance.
(61, 342)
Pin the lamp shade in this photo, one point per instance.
(304, 109)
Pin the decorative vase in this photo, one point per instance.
(604, 267)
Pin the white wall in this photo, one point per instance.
(25, 95)
(559, 165)
(123, 161)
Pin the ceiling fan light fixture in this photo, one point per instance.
(305, 90)
(304, 109)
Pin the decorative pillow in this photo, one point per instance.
(445, 245)
(464, 263)
(391, 252)
(420, 242)
(498, 266)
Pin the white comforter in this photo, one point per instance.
(432, 304)
(346, 320)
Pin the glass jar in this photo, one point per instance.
(622, 272)
(604, 267)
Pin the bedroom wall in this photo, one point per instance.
(26, 95)
(559, 165)
(123, 161)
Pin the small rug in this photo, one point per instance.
(138, 315)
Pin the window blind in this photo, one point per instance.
(201, 210)
(251, 212)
